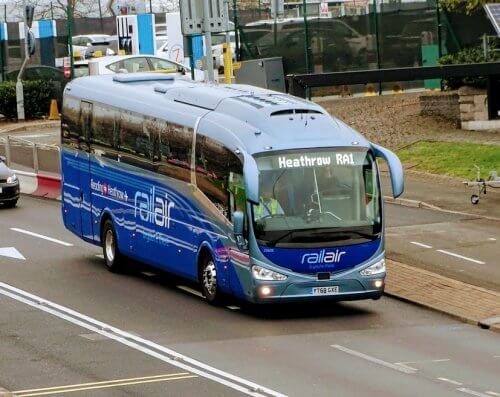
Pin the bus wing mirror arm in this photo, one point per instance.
(395, 168)
(238, 225)
(251, 176)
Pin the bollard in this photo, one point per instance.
(228, 63)
(54, 111)
(35, 159)
(7, 150)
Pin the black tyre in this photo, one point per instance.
(112, 257)
(11, 203)
(209, 282)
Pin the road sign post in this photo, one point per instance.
(29, 50)
(204, 17)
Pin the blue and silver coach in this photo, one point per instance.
(250, 192)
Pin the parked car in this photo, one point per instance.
(9, 185)
(334, 44)
(139, 63)
(84, 46)
(42, 72)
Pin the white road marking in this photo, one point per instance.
(375, 360)
(15, 229)
(471, 392)
(11, 252)
(492, 393)
(496, 356)
(492, 239)
(438, 360)
(143, 345)
(233, 307)
(407, 366)
(461, 257)
(453, 382)
(421, 244)
(190, 291)
(101, 256)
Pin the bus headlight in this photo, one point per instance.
(261, 273)
(376, 268)
(12, 178)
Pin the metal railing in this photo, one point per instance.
(27, 156)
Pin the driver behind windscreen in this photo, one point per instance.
(268, 205)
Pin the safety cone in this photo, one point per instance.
(54, 112)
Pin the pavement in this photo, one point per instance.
(48, 133)
(69, 324)
(443, 192)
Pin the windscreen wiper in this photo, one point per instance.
(273, 243)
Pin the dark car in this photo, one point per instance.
(46, 73)
(9, 185)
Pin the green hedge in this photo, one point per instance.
(468, 55)
(37, 97)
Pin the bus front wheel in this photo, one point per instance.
(112, 256)
(209, 282)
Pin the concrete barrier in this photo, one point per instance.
(39, 185)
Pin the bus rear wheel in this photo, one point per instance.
(209, 282)
(112, 257)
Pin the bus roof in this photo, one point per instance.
(240, 116)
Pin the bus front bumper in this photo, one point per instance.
(331, 290)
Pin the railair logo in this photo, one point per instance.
(323, 257)
(153, 208)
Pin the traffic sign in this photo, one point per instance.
(192, 14)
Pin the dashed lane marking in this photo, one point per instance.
(190, 291)
(421, 244)
(472, 392)
(51, 239)
(453, 382)
(375, 360)
(406, 363)
(103, 385)
(492, 239)
(461, 257)
(145, 346)
(492, 393)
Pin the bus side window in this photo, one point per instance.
(103, 124)
(134, 140)
(85, 124)
(70, 130)
(214, 166)
(174, 147)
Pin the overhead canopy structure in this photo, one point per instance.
(493, 12)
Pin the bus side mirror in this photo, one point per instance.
(251, 175)
(238, 225)
(395, 169)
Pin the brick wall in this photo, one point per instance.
(441, 105)
(473, 106)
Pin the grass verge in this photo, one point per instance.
(453, 159)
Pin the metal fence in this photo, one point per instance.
(26, 156)
(315, 36)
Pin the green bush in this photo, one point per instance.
(37, 97)
(468, 55)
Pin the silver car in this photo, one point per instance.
(9, 185)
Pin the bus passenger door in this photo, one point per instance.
(85, 192)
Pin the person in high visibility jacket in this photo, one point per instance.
(268, 206)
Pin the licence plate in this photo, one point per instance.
(325, 290)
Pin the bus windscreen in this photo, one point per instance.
(317, 198)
